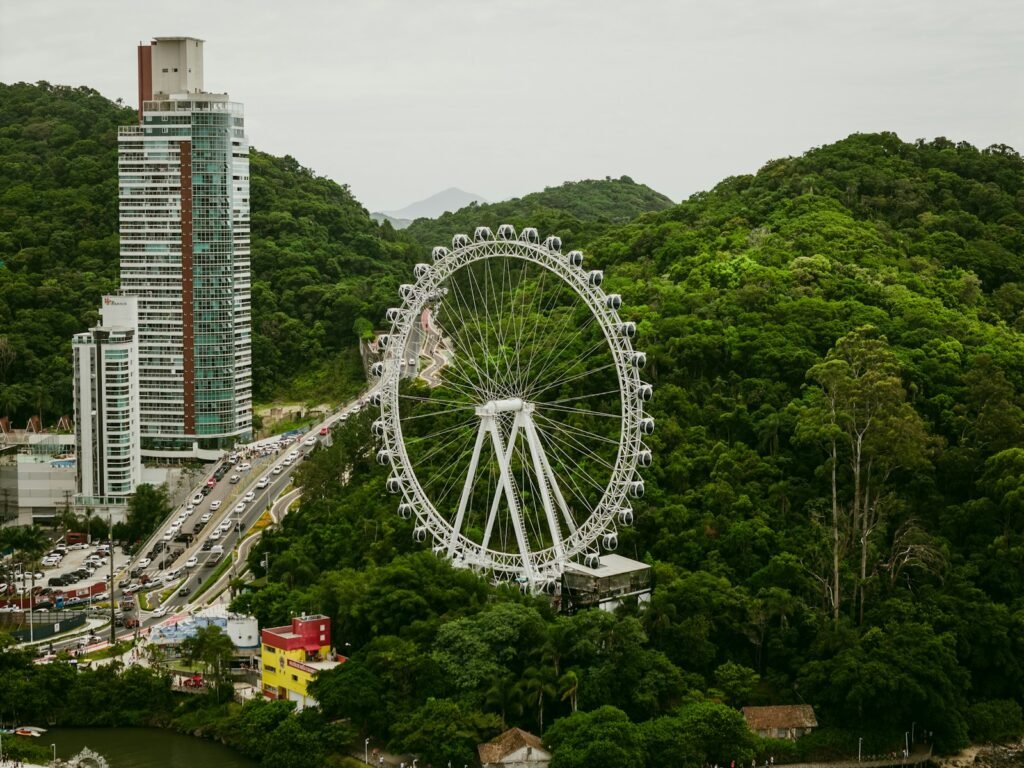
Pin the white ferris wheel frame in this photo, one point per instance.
(536, 568)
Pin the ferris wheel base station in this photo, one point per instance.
(607, 586)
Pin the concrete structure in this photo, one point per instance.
(790, 721)
(291, 656)
(243, 630)
(106, 380)
(514, 748)
(37, 477)
(183, 174)
(605, 584)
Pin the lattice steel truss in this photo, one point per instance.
(508, 415)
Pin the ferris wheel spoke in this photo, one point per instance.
(583, 433)
(439, 449)
(484, 379)
(568, 477)
(438, 432)
(554, 347)
(571, 443)
(567, 379)
(420, 398)
(475, 289)
(583, 411)
(523, 318)
(560, 364)
(497, 294)
(577, 398)
(462, 306)
(441, 412)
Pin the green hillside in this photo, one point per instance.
(319, 262)
(582, 208)
(833, 511)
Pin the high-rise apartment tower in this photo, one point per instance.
(183, 173)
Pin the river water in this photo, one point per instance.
(145, 748)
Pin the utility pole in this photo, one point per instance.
(110, 589)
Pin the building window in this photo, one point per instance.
(295, 678)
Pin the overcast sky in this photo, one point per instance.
(403, 98)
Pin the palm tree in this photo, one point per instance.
(539, 682)
(505, 695)
(569, 685)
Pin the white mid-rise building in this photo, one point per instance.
(183, 174)
(106, 379)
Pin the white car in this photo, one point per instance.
(250, 496)
(278, 469)
(215, 505)
(214, 535)
(310, 441)
(239, 508)
(161, 611)
(189, 508)
(245, 466)
(143, 563)
(192, 562)
(263, 482)
(205, 517)
(293, 455)
(169, 535)
(197, 499)
(287, 461)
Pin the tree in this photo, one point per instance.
(211, 647)
(604, 738)
(440, 730)
(147, 508)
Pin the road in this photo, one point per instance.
(277, 469)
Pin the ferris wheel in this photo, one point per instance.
(511, 407)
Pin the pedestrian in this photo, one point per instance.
(771, 760)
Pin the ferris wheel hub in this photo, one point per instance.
(508, 405)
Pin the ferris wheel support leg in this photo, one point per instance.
(545, 480)
(466, 490)
(556, 489)
(515, 513)
(503, 459)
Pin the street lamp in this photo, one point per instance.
(366, 751)
(906, 741)
(54, 748)
(860, 742)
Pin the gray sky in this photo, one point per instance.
(402, 98)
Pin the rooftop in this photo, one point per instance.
(498, 748)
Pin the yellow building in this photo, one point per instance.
(293, 655)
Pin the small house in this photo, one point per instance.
(514, 748)
(790, 721)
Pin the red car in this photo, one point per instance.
(196, 681)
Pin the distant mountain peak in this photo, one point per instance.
(451, 199)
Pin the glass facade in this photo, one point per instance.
(184, 222)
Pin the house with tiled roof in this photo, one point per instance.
(515, 748)
(789, 721)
